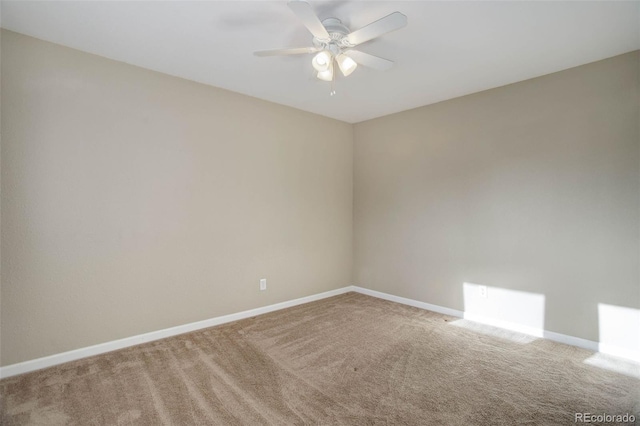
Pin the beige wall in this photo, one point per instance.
(133, 201)
(531, 189)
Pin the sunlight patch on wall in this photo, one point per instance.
(519, 311)
(619, 329)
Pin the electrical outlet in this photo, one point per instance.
(263, 284)
(483, 291)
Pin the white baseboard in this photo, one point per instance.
(49, 361)
(572, 340)
(410, 302)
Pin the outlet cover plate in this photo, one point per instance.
(483, 291)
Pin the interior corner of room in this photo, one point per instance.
(134, 203)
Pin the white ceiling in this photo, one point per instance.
(448, 49)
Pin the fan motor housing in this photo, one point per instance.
(338, 33)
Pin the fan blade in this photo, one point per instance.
(375, 29)
(368, 60)
(286, 52)
(305, 13)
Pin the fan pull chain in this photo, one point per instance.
(333, 85)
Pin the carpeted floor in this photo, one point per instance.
(349, 359)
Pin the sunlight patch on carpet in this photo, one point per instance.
(488, 330)
(615, 364)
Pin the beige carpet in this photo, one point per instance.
(350, 359)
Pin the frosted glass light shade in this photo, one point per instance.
(322, 61)
(346, 64)
(326, 75)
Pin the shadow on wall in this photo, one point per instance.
(524, 312)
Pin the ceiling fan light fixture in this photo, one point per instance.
(346, 64)
(322, 61)
(331, 38)
(326, 75)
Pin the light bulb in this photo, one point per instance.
(326, 75)
(346, 64)
(322, 61)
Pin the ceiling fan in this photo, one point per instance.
(334, 43)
